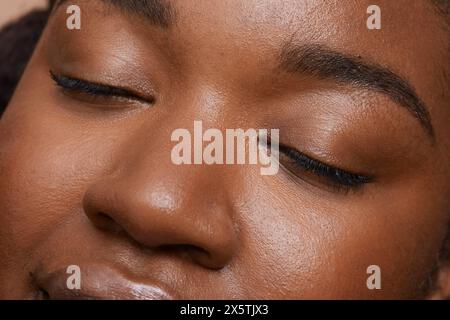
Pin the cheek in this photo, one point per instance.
(46, 162)
(302, 243)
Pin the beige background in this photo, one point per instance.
(12, 9)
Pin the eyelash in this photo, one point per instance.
(94, 89)
(339, 178)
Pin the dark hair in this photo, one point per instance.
(19, 40)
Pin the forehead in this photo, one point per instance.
(411, 31)
(339, 24)
(413, 40)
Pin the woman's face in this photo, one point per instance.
(87, 177)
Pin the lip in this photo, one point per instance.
(100, 283)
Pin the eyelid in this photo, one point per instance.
(97, 89)
(340, 177)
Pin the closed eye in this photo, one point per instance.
(94, 89)
(299, 163)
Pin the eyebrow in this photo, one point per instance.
(323, 63)
(158, 12)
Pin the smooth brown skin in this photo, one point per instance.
(94, 186)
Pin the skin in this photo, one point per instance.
(89, 181)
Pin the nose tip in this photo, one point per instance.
(196, 227)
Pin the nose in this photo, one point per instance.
(167, 207)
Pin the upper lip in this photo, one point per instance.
(100, 282)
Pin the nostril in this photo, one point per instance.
(182, 248)
(105, 217)
(106, 222)
(42, 294)
(191, 253)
